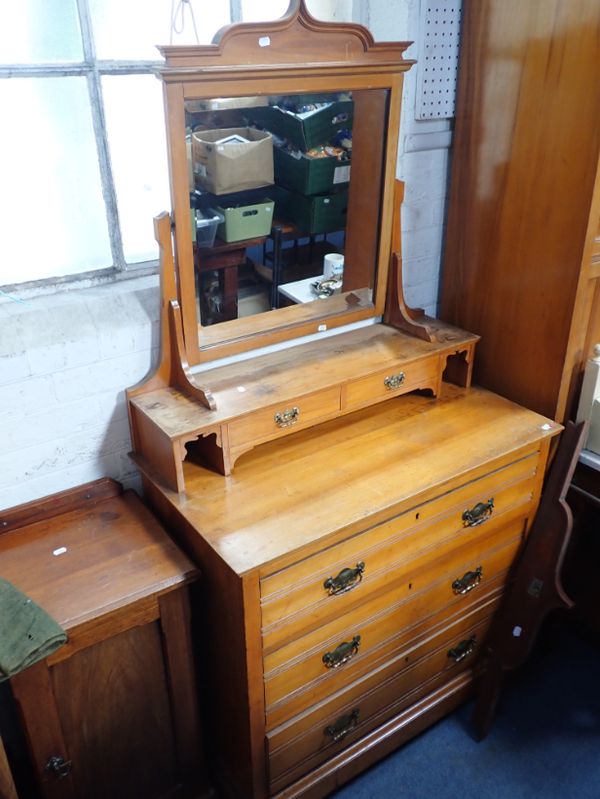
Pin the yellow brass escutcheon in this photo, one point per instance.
(287, 418)
(394, 381)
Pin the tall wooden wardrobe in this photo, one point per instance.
(522, 253)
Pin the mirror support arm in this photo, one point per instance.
(173, 368)
(397, 312)
(181, 376)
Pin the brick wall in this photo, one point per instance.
(65, 362)
(422, 162)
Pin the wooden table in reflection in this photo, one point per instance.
(225, 258)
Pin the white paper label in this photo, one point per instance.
(341, 174)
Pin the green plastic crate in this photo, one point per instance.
(318, 128)
(246, 221)
(323, 213)
(309, 175)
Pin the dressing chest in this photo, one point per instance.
(355, 505)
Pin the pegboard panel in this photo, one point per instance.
(438, 59)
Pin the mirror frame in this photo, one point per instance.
(295, 54)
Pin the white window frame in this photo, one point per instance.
(93, 69)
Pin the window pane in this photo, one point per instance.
(51, 199)
(39, 30)
(267, 9)
(132, 30)
(138, 153)
(274, 9)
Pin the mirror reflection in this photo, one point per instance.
(278, 217)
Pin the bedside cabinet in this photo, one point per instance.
(112, 713)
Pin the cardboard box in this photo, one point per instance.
(323, 213)
(223, 165)
(306, 131)
(309, 175)
(246, 221)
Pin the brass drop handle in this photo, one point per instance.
(463, 650)
(478, 514)
(287, 418)
(345, 724)
(342, 653)
(58, 766)
(468, 581)
(346, 580)
(394, 381)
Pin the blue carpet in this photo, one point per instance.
(545, 740)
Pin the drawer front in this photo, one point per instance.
(329, 657)
(298, 746)
(392, 382)
(277, 421)
(344, 575)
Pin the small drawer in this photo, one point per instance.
(305, 669)
(392, 382)
(279, 420)
(308, 739)
(331, 581)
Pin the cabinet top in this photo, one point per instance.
(289, 495)
(92, 559)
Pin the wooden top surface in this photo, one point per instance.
(289, 494)
(281, 376)
(116, 553)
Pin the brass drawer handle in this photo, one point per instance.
(342, 653)
(287, 418)
(463, 650)
(469, 581)
(59, 767)
(346, 580)
(478, 514)
(394, 381)
(345, 724)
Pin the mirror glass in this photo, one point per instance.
(285, 196)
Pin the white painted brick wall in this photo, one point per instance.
(424, 172)
(66, 360)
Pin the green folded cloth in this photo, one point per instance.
(27, 632)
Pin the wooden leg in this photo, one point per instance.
(488, 693)
(229, 278)
(536, 589)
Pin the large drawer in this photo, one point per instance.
(277, 421)
(311, 737)
(392, 382)
(299, 673)
(301, 594)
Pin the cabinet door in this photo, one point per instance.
(99, 723)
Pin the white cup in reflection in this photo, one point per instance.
(333, 265)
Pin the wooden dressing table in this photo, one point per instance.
(354, 504)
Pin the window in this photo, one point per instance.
(82, 144)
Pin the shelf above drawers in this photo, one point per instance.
(279, 393)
